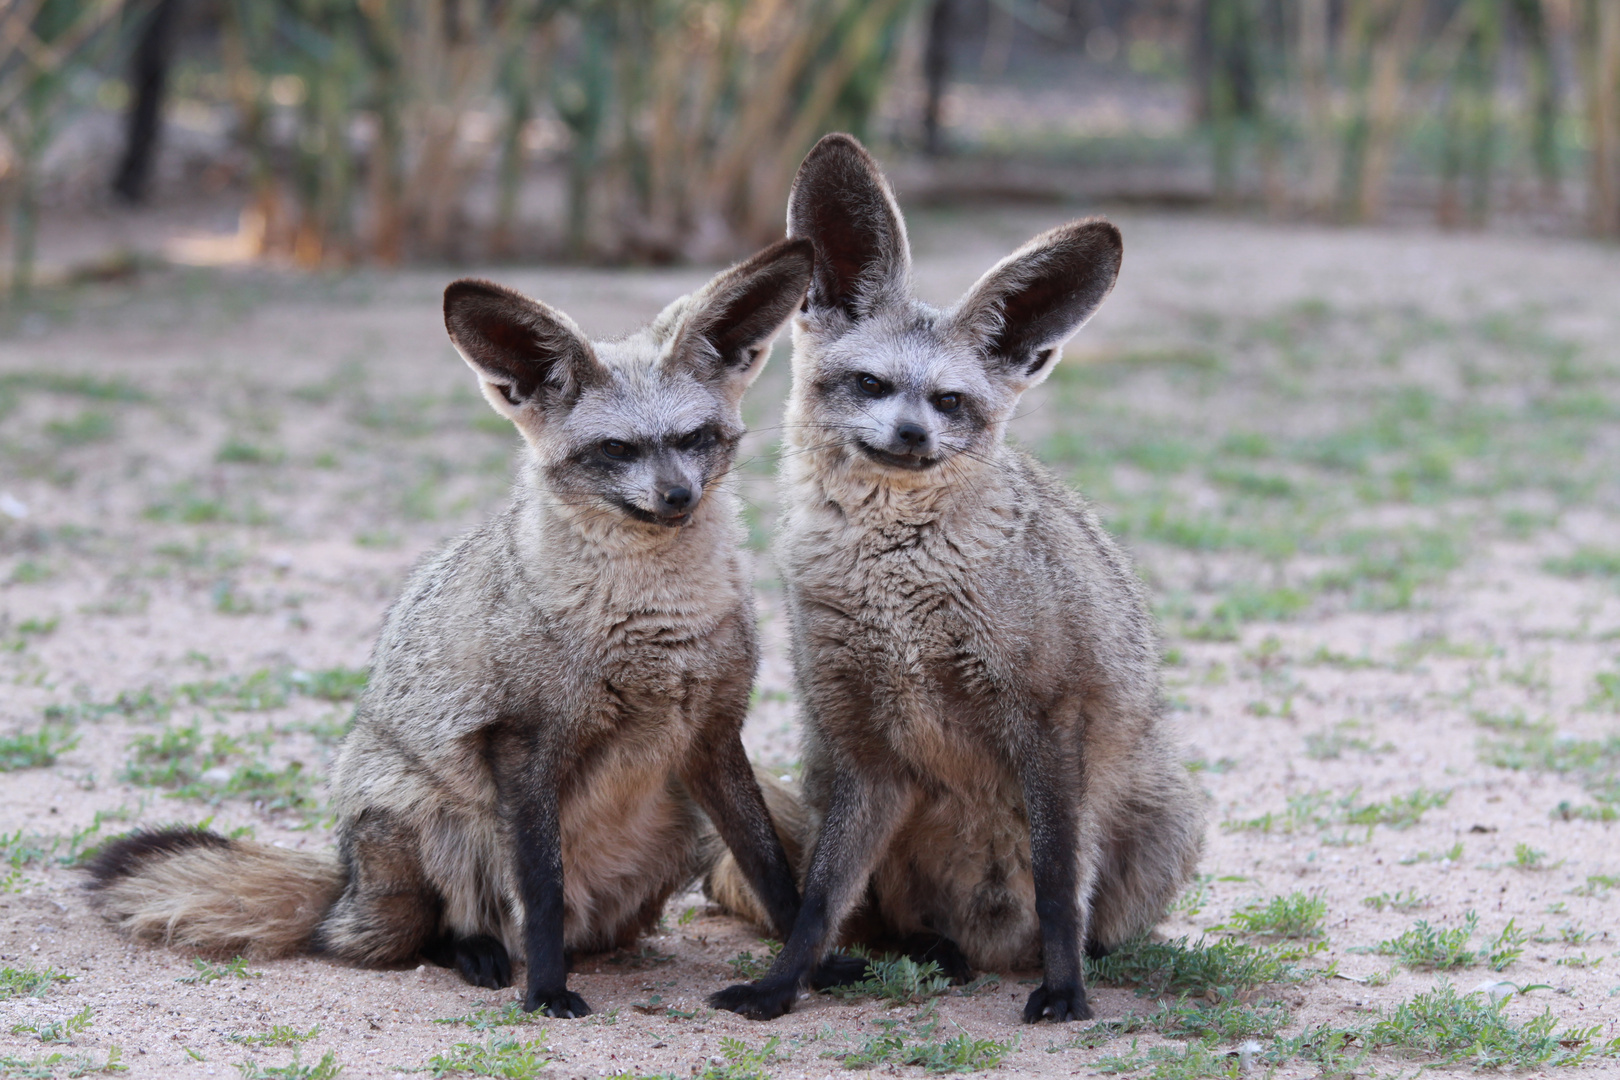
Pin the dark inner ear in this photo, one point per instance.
(742, 308)
(1046, 295)
(754, 311)
(840, 203)
(517, 344)
(1045, 310)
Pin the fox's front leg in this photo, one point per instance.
(537, 830)
(861, 817)
(720, 779)
(1052, 782)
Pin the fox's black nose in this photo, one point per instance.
(677, 499)
(915, 436)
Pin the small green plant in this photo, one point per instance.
(898, 1045)
(745, 965)
(1404, 900)
(1226, 1020)
(1471, 1029)
(204, 972)
(1429, 948)
(324, 1069)
(741, 1061)
(1450, 855)
(90, 426)
(1586, 562)
(509, 1015)
(278, 1035)
(28, 982)
(331, 684)
(1526, 857)
(1194, 1061)
(36, 749)
(58, 1031)
(63, 1064)
(1297, 915)
(501, 1056)
(1224, 966)
(899, 980)
(1597, 885)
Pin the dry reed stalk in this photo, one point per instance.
(1600, 53)
(1391, 55)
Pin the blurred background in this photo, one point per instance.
(331, 133)
(1353, 408)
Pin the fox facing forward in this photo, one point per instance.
(550, 738)
(986, 771)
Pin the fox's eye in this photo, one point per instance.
(947, 402)
(613, 448)
(694, 440)
(870, 385)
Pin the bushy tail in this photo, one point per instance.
(725, 884)
(199, 891)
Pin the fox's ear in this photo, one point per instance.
(523, 351)
(726, 330)
(1034, 300)
(842, 204)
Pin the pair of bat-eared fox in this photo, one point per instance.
(549, 746)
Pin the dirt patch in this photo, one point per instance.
(1370, 477)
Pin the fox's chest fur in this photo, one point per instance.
(927, 614)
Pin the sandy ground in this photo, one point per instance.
(259, 460)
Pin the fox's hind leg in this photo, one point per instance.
(1152, 851)
(388, 913)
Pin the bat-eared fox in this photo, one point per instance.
(548, 746)
(987, 775)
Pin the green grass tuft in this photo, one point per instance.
(29, 982)
(899, 980)
(1182, 967)
(501, 1056)
(1297, 915)
(36, 749)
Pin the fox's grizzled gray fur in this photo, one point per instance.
(984, 750)
(552, 721)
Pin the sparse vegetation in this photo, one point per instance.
(1198, 967)
(501, 1056)
(1297, 915)
(26, 981)
(509, 1015)
(56, 1031)
(205, 972)
(324, 1069)
(36, 749)
(1430, 948)
(1401, 900)
(63, 1064)
(278, 1035)
(898, 980)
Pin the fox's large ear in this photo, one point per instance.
(842, 204)
(1031, 302)
(726, 333)
(523, 351)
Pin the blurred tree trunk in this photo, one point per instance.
(148, 79)
(1599, 45)
(936, 71)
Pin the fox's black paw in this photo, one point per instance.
(764, 1000)
(563, 1004)
(839, 970)
(1057, 1004)
(482, 960)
